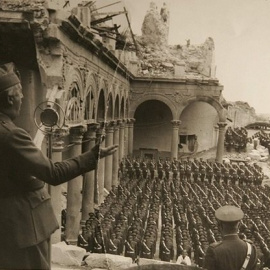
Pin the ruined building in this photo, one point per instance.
(153, 99)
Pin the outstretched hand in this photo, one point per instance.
(104, 152)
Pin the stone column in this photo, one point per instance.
(175, 138)
(74, 189)
(126, 139)
(122, 139)
(215, 135)
(220, 144)
(99, 196)
(89, 177)
(109, 159)
(130, 135)
(56, 191)
(116, 155)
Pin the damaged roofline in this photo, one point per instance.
(16, 17)
(178, 80)
(85, 37)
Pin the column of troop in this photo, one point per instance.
(87, 191)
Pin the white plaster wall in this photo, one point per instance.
(199, 118)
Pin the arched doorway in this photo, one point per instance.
(152, 130)
(197, 130)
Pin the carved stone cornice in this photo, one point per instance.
(179, 96)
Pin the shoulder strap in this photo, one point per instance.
(244, 266)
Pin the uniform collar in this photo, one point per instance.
(5, 118)
(230, 236)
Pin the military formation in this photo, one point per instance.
(236, 139)
(263, 138)
(161, 208)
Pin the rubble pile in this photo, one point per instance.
(159, 59)
(155, 27)
(20, 5)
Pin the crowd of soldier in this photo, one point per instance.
(236, 138)
(128, 221)
(195, 170)
(263, 138)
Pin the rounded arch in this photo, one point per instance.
(126, 108)
(153, 128)
(109, 107)
(89, 100)
(73, 97)
(104, 86)
(122, 108)
(135, 104)
(198, 126)
(101, 103)
(117, 107)
(74, 77)
(211, 101)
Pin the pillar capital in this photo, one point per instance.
(222, 125)
(122, 123)
(117, 124)
(110, 126)
(91, 130)
(58, 134)
(131, 120)
(176, 123)
(76, 134)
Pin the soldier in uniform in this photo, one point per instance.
(144, 169)
(167, 169)
(241, 173)
(188, 171)
(202, 170)
(232, 252)
(152, 167)
(209, 172)
(160, 169)
(27, 218)
(181, 170)
(225, 173)
(233, 173)
(195, 171)
(131, 248)
(175, 169)
(217, 172)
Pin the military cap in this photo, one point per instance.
(229, 213)
(9, 76)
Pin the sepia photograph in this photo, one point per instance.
(135, 134)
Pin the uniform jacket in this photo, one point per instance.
(26, 214)
(229, 254)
